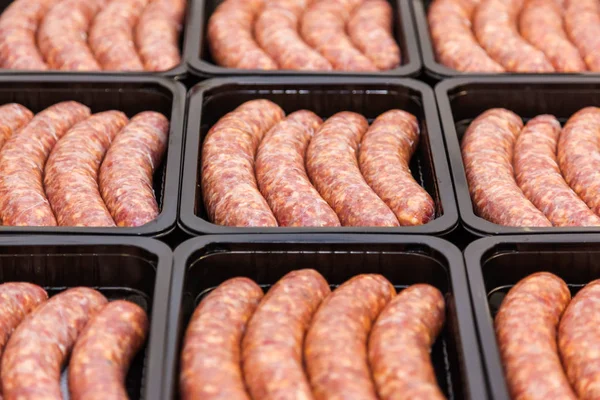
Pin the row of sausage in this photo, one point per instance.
(261, 168)
(67, 167)
(317, 35)
(91, 35)
(300, 340)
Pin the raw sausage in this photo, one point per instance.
(400, 343)
(370, 29)
(112, 35)
(272, 346)
(210, 358)
(526, 327)
(230, 36)
(332, 166)
(37, 349)
(229, 188)
(384, 157)
(277, 33)
(71, 173)
(335, 349)
(539, 176)
(104, 350)
(281, 174)
(62, 36)
(582, 23)
(13, 117)
(157, 34)
(23, 201)
(487, 151)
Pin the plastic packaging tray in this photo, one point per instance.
(370, 97)
(200, 62)
(203, 263)
(134, 269)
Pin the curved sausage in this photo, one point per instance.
(582, 23)
(541, 25)
(229, 188)
(37, 349)
(126, 174)
(272, 346)
(157, 34)
(370, 29)
(487, 151)
(112, 35)
(210, 357)
(539, 176)
(104, 350)
(23, 200)
(277, 33)
(495, 26)
(400, 343)
(335, 349)
(71, 173)
(384, 157)
(230, 36)
(62, 36)
(332, 166)
(281, 174)
(13, 117)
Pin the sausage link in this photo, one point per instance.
(487, 151)
(335, 349)
(229, 188)
(13, 117)
(71, 173)
(272, 346)
(281, 174)
(126, 174)
(400, 343)
(384, 157)
(332, 166)
(23, 200)
(210, 358)
(582, 23)
(40, 345)
(104, 350)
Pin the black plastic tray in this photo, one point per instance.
(200, 62)
(203, 263)
(496, 264)
(212, 99)
(134, 269)
(462, 100)
(106, 92)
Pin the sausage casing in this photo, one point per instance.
(582, 23)
(13, 117)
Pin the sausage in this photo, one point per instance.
(281, 174)
(126, 174)
(37, 349)
(578, 339)
(112, 35)
(384, 157)
(332, 166)
(335, 349)
(157, 34)
(541, 25)
(277, 33)
(487, 151)
(23, 201)
(62, 36)
(582, 23)
(495, 26)
(272, 346)
(230, 36)
(323, 27)
(229, 187)
(453, 40)
(71, 173)
(13, 117)
(370, 29)
(538, 175)
(210, 358)
(400, 343)
(104, 350)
